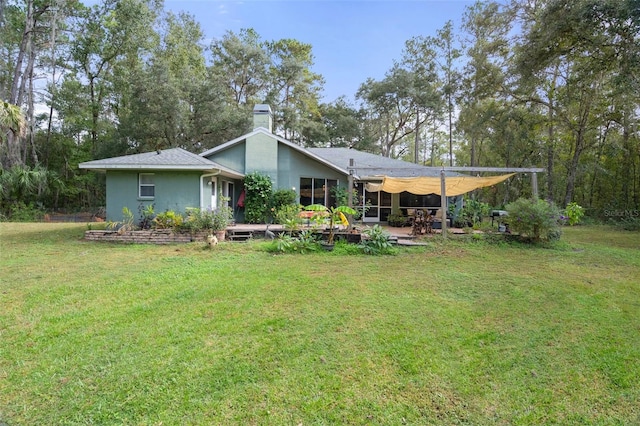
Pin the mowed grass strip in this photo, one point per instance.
(457, 332)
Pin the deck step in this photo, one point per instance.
(239, 234)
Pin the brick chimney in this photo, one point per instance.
(263, 117)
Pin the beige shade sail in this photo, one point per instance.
(455, 185)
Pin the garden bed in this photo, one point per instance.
(158, 236)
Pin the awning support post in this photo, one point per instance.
(350, 183)
(443, 203)
(534, 185)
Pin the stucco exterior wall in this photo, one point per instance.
(173, 191)
(232, 157)
(293, 165)
(261, 155)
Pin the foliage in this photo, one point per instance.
(342, 199)
(222, 217)
(375, 241)
(21, 212)
(283, 197)
(209, 219)
(334, 214)
(25, 184)
(627, 223)
(536, 220)
(305, 242)
(549, 84)
(168, 220)
(287, 215)
(396, 219)
(473, 211)
(258, 190)
(126, 225)
(147, 214)
(574, 213)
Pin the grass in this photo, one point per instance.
(462, 332)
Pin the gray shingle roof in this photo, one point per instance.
(167, 159)
(367, 165)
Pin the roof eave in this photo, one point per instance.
(145, 167)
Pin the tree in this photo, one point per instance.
(292, 88)
(12, 128)
(108, 32)
(449, 56)
(595, 44)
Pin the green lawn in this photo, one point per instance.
(454, 333)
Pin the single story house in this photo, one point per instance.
(175, 179)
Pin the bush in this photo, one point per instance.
(376, 241)
(629, 223)
(535, 220)
(287, 215)
(574, 213)
(168, 220)
(147, 214)
(283, 197)
(473, 211)
(258, 190)
(396, 219)
(207, 219)
(21, 212)
(307, 241)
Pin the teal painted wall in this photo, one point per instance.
(261, 155)
(173, 191)
(233, 157)
(292, 165)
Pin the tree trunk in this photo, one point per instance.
(573, 169)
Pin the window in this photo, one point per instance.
(317, 191)
(146, 187)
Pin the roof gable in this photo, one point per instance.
(295, 147)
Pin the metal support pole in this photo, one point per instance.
(534, 185)
(443, 203)
(350, 183)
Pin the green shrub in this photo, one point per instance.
(628, 223)
(535, 220)
(376, 241)
(396, 219)
(342, 199)
(21, 212)
(283, 197)
(307, 241)
(473, 211)
(208, 219)
(258, 190)
(127, 222)
(574, 213)
(287, 216)
(147, 214)
(168, 220)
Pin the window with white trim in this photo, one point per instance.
(146, 185)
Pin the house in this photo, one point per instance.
(175, 179)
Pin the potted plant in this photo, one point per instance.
(213, 221)
(396, 218)
(221, 218)
(334, 214)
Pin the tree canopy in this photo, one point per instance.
(552, 83)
